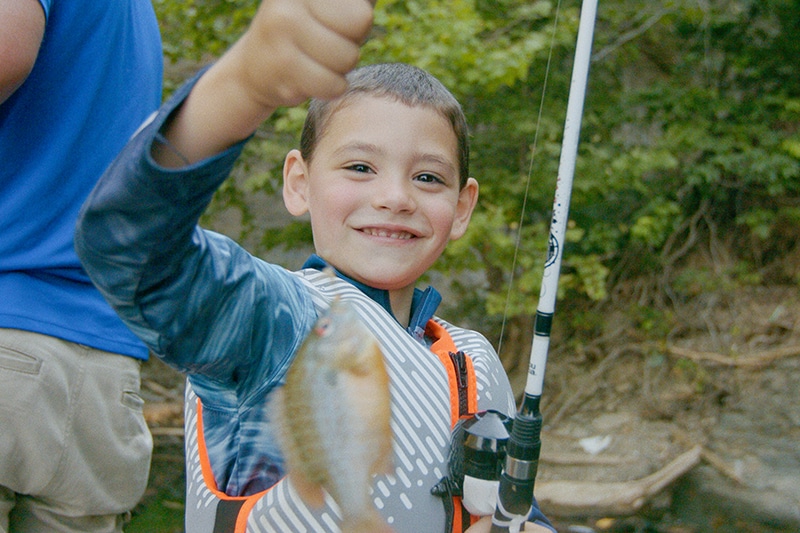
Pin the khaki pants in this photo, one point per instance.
(74, 446)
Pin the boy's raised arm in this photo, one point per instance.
(292, 50)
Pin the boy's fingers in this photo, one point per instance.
(321, 82)
(351, 19)
(328, 38)
(330, 50)
(296, 49)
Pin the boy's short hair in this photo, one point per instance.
(409, 85)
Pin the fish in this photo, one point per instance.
(334, 417)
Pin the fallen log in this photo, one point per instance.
(163, 413)
(572, 498)
(756, 360)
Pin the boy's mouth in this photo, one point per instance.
(388, 234)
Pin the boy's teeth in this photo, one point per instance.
(388, 234)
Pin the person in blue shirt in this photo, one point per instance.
(382, 171)
(77, 78)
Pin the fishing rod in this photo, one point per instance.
(515, 492)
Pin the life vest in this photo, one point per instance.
(430, 391)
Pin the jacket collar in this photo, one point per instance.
(423, 304)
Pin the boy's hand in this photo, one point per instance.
(292, 50)
(297, 49)
(484, 525)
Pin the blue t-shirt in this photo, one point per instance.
(96, 79)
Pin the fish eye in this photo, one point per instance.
(322, 326)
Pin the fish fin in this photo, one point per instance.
(384, 463)
(371, 522)
(311, 493)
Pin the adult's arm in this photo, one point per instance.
(21, 31)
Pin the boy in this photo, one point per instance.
(382, 172)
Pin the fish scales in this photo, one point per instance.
(335, 414)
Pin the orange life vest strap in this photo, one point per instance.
(463, 397)
(232, 511)
(460, 372)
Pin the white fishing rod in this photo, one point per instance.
(515, 493)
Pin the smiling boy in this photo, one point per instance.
(385, 180)
(382, 172)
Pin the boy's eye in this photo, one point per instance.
(359, 167)
(429, 178)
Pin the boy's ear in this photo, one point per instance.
(467, 200)
(295, 183)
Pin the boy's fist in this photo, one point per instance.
(297, 49)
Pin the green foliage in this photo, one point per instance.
(296, 234)
(196, 30)
(157, 517)
(690, 138)
(658, 221)
(466, 44)
(650, 321)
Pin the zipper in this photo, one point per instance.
(459, 360)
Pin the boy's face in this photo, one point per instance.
(382, 191)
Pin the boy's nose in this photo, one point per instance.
(395, 194)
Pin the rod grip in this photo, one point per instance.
(515, 494)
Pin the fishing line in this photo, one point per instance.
(521, 222)
(486, 458)
(515, 492)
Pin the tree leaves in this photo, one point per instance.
(692, 124)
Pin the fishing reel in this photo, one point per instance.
(475, 463)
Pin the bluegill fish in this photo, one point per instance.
(335, 417)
